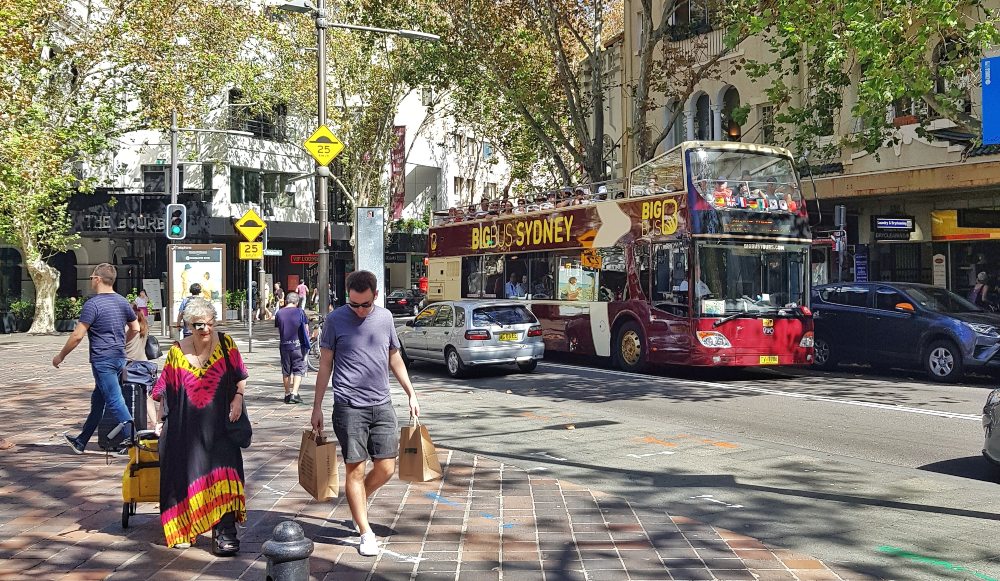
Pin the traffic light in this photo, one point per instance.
(176, 221)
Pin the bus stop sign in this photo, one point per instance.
(991, 101)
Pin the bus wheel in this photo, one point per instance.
(630, 352)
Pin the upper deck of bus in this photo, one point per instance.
(668, 195)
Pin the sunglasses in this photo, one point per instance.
(202, 326)
(367, 305)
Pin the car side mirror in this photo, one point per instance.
(904, 308)
(409, 323)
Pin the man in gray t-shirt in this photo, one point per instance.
(358, 347)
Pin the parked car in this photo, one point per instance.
(991, 426)
(404, 302)
(470, 333)
(903, 324)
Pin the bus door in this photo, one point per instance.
(670, 299)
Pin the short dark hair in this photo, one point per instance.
(360, 281)
(195, 289)
(106, 272)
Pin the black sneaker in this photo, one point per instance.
(77, 448)
(296, 398)
(288, 398)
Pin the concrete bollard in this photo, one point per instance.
(287, 553)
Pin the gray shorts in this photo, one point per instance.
(292, 362)
(366, 432)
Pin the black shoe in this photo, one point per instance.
(224, 541)
(296, 398)
(288, 398)
(77, 448)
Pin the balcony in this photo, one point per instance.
(699, 39)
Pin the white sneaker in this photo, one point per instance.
(369, 545)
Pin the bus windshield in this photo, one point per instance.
(750, 277)
(744, 179)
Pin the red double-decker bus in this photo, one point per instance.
(700, 258)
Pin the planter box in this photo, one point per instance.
(23, 326)
(905, 120)
(232, 315)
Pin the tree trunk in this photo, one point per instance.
(46, 281)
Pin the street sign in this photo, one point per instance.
(272, 252)
(251, 251)
(323, 145)
(250, 225)
(991, 101)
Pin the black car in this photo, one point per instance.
(891, 324)
(404, 302)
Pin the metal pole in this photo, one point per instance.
(174, 170)
(262, 289)
(323, 255)
(249, 307)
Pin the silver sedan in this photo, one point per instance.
(470, 333)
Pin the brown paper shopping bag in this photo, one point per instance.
(318, 466)
(418, 460)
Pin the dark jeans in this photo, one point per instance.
(107, 397)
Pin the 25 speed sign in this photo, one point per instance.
(251, 251)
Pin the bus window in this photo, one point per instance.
(670, 274)
(576, 282)
(516, 276)
(540, 279)
(493, 280)
(472, 276)
(611, 283)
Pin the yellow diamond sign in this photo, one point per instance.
(250, 225)
(323, 145)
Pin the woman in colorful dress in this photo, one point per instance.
(201, 468)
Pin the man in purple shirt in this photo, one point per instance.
(293, 331)
(103, 320)
(358, 346)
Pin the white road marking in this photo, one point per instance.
(710, 498)
(650, 454)
(765, 391)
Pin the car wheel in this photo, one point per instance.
(823, 355)
(454, 362)
(630, 348)
(943, 361)
(527, 366)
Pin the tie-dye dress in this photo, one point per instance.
(201, 469)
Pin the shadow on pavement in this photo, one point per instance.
(974, 467)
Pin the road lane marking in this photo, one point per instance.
(650, 454)
(549, 456)
(932, 561)
(765, 391)
(711, 498)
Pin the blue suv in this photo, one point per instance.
(902, 324)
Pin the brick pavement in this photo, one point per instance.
(485, 520)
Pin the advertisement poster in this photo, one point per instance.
(197, 263)
(152, 288)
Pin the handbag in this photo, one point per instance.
(240, 431)
(153, 351)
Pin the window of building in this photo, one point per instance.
(948, 86)
(244, 185)
(427, 96)
(490, 191)
(156, 179)
(703, 125)
(766, 115)
(270, 124)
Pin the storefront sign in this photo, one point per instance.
(939, 270)
(396, 257)
(303, 259)
(892, 227)
(860, 264)
(947, 225)
(991, 101)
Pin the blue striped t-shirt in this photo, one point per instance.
(107, 314)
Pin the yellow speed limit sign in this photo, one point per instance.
(251, 251)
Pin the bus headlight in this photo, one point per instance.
(807, 340)
(713, 339)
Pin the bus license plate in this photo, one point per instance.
(509, 336)
(768, 359)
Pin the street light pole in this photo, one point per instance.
(174, 170)
(322, 254)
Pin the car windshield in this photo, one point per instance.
(502, 315)
(940, 300)
(397, 294)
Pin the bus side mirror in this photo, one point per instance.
(904, 308)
